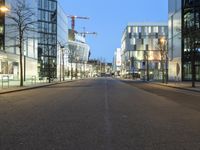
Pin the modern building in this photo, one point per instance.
(141, 55)
(94, 68)
(184, 31)
(44, 47)
(62, 44)
(79, 52)
(117, 62)
(47, 44)
(9, 41)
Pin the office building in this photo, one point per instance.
(62, 44)
(9, 44)
(47, 44)
(79, 52)
(184, 31)
(42, 46)
(141, 56)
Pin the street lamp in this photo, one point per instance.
(77, 59)
(62, 62)
(85, 63)
(129, 72)
(62, 65)
(4, 9)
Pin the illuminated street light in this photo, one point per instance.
(4, 9)
(162, 40)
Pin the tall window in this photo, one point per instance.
(47, 46)
(191, 30)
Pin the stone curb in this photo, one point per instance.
(33, 87)
(171, 86)
(182, 88)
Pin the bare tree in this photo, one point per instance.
(162, 47)
(22, 21)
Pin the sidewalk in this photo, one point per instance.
(180, 85)
(13, 86)
(173, 84)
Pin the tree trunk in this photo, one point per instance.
(21, 64)
(193, 69)
(71, 71)
(63, 67)
(147, 68)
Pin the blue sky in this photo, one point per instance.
(109, 18)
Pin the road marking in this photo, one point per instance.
(108, 124)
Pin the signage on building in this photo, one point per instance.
(118, 57)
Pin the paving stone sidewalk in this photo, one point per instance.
(13, 85)
(180, 85)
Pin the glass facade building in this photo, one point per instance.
(184, 39)
(191, 39)
(9, 51)
(42, 46)
(140, 52)
(79, 52)
(62, 44)
(47, 44)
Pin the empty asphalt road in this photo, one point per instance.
(100, 114)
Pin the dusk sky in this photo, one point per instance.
(109, 18)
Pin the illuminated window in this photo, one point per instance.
(140, 29)
(135, 29)
(146, 29)
(133, 41)
(129, 29)
(155, 29)
(149, 29)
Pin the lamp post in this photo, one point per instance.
(77, 59)
(85, 69)
(128, 68)
(62, 63)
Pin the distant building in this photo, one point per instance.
(140, 53)
(94, 67)
(79, 52)
(183, 17)
(108, 69)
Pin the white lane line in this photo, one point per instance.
(108, 124)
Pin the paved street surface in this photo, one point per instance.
(100, 114)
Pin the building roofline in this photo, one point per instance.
(148, 24)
